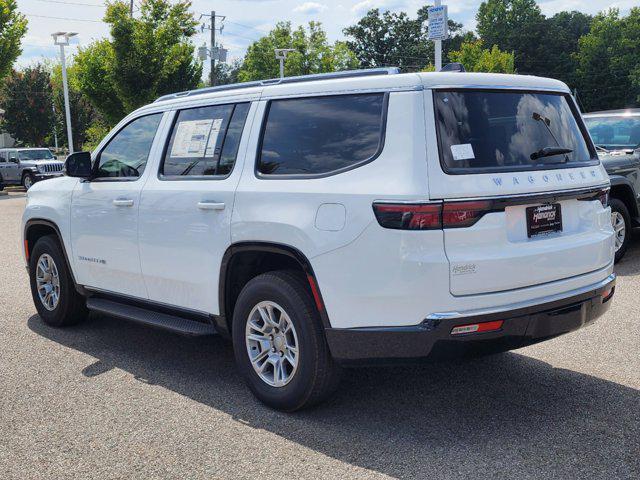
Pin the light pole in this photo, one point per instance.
(62, 39)
(281, 54)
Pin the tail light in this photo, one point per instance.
(409, 216)
(603, 196)
(464, 214)
(430, 216)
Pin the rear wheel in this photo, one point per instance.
(279, 343)
(52, 288)
(621, 222)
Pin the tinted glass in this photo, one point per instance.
(35, 155)
(322, 134)
(232, 139)
(127, 153)
(496, 131)
(616, 132)
(3, 157)
(205, 140)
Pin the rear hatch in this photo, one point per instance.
(521, 185)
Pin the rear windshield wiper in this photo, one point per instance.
(550, 152)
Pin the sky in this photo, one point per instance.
(247, 20)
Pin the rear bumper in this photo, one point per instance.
(432, 338)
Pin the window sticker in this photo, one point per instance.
(191, 138)
(463, 151)
(213, 137)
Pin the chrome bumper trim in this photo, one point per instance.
(524, 304)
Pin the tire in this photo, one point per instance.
(315, 375)
(27, 181)
(70, 307)
(620, 219)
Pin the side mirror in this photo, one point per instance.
(78, 165)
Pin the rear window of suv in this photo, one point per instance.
(321, 135)
(483, 131)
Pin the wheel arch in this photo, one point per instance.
(622, 189)
(266, 253)
(36, 228)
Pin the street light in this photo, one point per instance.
(281, 54)
(62, 39)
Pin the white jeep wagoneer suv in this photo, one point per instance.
(334, 219)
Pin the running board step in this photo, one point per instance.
(151, 318)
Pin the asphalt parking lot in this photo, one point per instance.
(110, 399)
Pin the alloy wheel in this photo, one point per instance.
(272, 344)
(48, 282)
(619, 228)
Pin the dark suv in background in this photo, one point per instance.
(616, 134)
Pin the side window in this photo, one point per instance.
(126, 154)
(311, 136)
(3, 157)
(204, 141)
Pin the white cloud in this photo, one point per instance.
(364, 6)
(310, 8)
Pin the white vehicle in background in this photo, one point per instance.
(333, 220)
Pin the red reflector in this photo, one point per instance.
(477, 327)
(464, 214)
(26, 249)
(410, 216)
(607, 294)
(315, 293)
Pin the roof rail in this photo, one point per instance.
(281, 81)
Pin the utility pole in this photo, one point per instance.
(131, 8)
(62, 39)
(213, 46)
(214, 52)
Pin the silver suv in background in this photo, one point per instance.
(25, 166)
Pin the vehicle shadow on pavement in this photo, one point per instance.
(506, 413)
(630, 263)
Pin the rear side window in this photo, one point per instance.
(319, 135)
(483, 131)
(204, 141)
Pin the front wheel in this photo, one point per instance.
(279, 343)
(28, 181)
(621, 222)
(52, 288)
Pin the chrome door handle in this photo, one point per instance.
(123, 202)
(204, 205)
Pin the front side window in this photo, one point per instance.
(126, 154)
(311, 136)
(42, 154)
(204, 141)
(482, 131)
(616, 132)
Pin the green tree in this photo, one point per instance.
(394, 39)
(147, 56)
(13, 26)
(475, 58)
(562, 34)
(514, 26)
(313, 53)
(28, 106)
(609, 61)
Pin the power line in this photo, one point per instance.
(64, 18)
(74, 3)
(248, 26)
